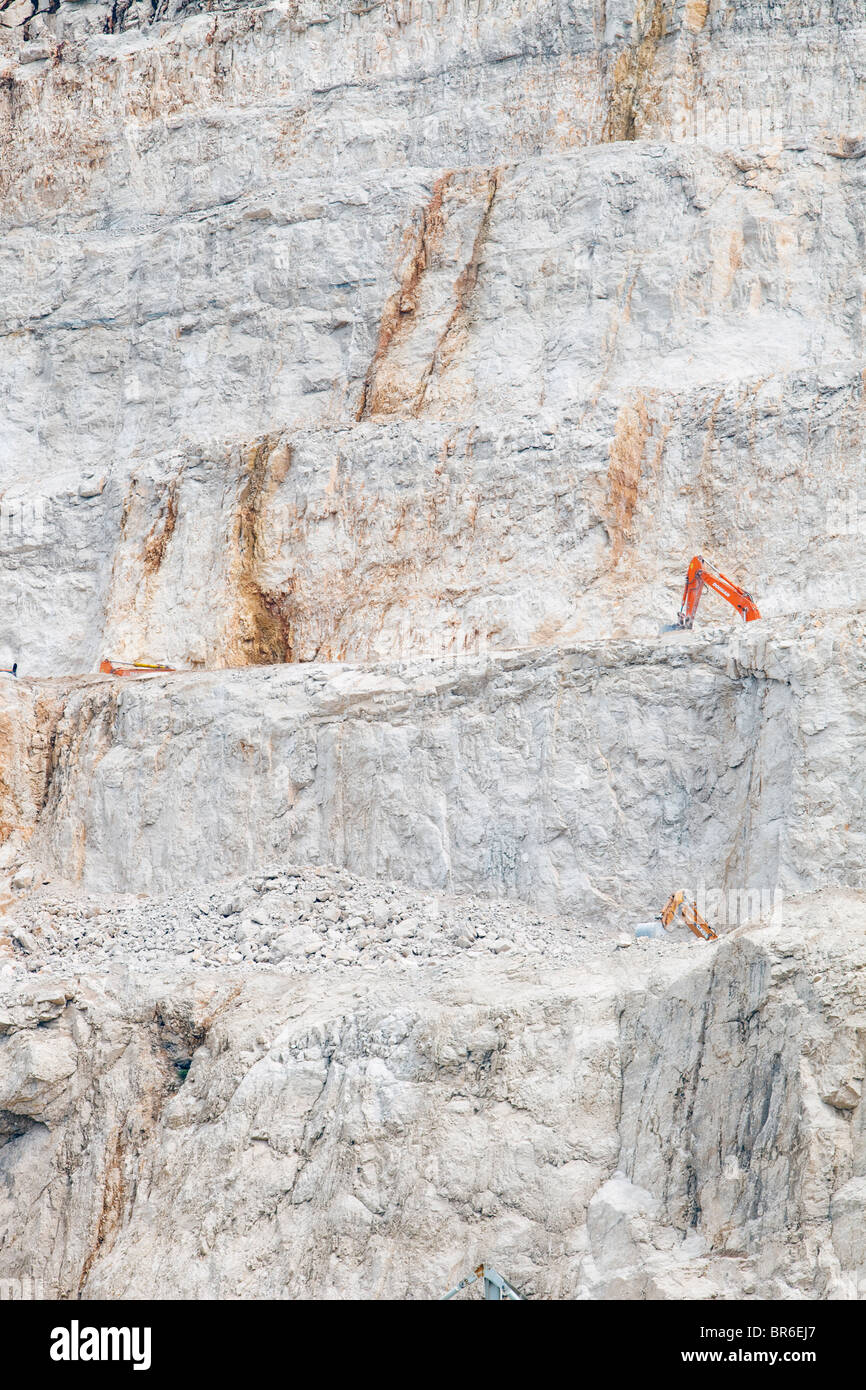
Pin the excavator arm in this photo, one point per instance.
(677, 902)
(496, 1288)
(137, 668)
(702, 573)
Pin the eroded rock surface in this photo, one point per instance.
(664, 1121)
(380, 366)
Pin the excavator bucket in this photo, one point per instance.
(697, 924)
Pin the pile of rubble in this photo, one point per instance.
(293, 919)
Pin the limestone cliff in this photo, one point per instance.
(380, 364)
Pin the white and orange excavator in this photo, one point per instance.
(137, 668)
(679, 903)
(702, 573)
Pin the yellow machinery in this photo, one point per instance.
(677, 903)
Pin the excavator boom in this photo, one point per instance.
(496, 1288)
(138, 668)
(696, 924)
(702, 573)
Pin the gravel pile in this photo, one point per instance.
(293, 920)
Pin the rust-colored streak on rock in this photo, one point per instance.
(162, 532)
(400, 308)
(260, 637)
(28, 735)
(464, 287)
(695, 14)
(113, 1203)
(631, 432)
(629, 82)
(425, 323)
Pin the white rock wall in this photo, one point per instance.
(361, 1138)
(585, 780)
(433, 339)
(673, 322)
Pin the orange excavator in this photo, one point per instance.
(138, 668)
(677, 902)
(701, 573)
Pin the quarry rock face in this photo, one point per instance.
(579, 779)
(324, 1135)
(380, 367)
